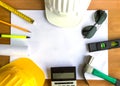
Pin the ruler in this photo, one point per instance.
(18, 13)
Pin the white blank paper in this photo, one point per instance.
(51, 46)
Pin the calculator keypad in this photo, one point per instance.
(63, 83)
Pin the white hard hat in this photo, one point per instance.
(65, 13)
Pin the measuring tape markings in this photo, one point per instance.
(4, 5)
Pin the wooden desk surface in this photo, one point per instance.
(114, 30)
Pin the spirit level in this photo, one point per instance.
(103, 45)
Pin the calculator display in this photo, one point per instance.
(63, 75)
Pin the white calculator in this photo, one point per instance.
(63, 76)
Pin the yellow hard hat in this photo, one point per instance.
(21, 72)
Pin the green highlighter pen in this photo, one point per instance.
(14, 36)
(93, 71)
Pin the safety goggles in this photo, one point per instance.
(89, 31)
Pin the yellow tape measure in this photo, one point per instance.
(11, 9)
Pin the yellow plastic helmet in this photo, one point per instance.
(21, 72)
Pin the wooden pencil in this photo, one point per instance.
(15, 26)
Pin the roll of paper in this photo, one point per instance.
(12, 50)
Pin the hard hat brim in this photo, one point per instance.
(62, 21)
(69, 18)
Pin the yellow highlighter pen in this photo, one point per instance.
(14, 36)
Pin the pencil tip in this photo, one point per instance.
(29, 31)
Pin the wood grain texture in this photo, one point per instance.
(113, 6)
(4, 60)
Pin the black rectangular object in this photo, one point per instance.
(103, 45)
(63, 73)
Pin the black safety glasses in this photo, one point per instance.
(90, 30)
